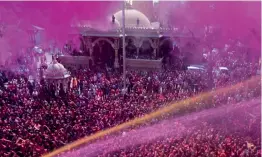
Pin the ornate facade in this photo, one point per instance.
(56, 74)
(141, 36)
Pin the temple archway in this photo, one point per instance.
(166, 46)
(146, 40)
(165, 40)
(103, 39)
(104, 54)
(131, 49)
(146, 50)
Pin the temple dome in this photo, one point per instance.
(131, 16)
(56, 70)
(110, 25)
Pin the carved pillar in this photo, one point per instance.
(116, 63)
(88, 44)
(116, 47)
(154, 52)
(84, 43)
(155, 46)
(137, 44)
(91, 54)
(91, 51)
(90, 48)
(137, 51)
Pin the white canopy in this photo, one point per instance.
(56, 70)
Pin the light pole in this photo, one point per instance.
(124, 45)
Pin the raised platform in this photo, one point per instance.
(130, 63)
(75, 61)
(144, 63)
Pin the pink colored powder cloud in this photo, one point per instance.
(237, 19)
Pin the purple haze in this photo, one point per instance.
(236, 19)
(229, 118)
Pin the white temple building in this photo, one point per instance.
(56, 74)
(143, 38)
(56, 71)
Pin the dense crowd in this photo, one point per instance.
(46, 121)
(226, 137)
(36, 117)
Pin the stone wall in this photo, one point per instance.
(143, 63)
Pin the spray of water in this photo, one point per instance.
(205, 100)
(178, 127)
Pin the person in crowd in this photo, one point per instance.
(35, 119)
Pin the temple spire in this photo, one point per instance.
(155, 2)
(156, 10)
(129, 2)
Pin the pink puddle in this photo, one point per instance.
(176, 127)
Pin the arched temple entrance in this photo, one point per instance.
(165, 51)
(131, 49)
(103, 52)
(146, 49)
